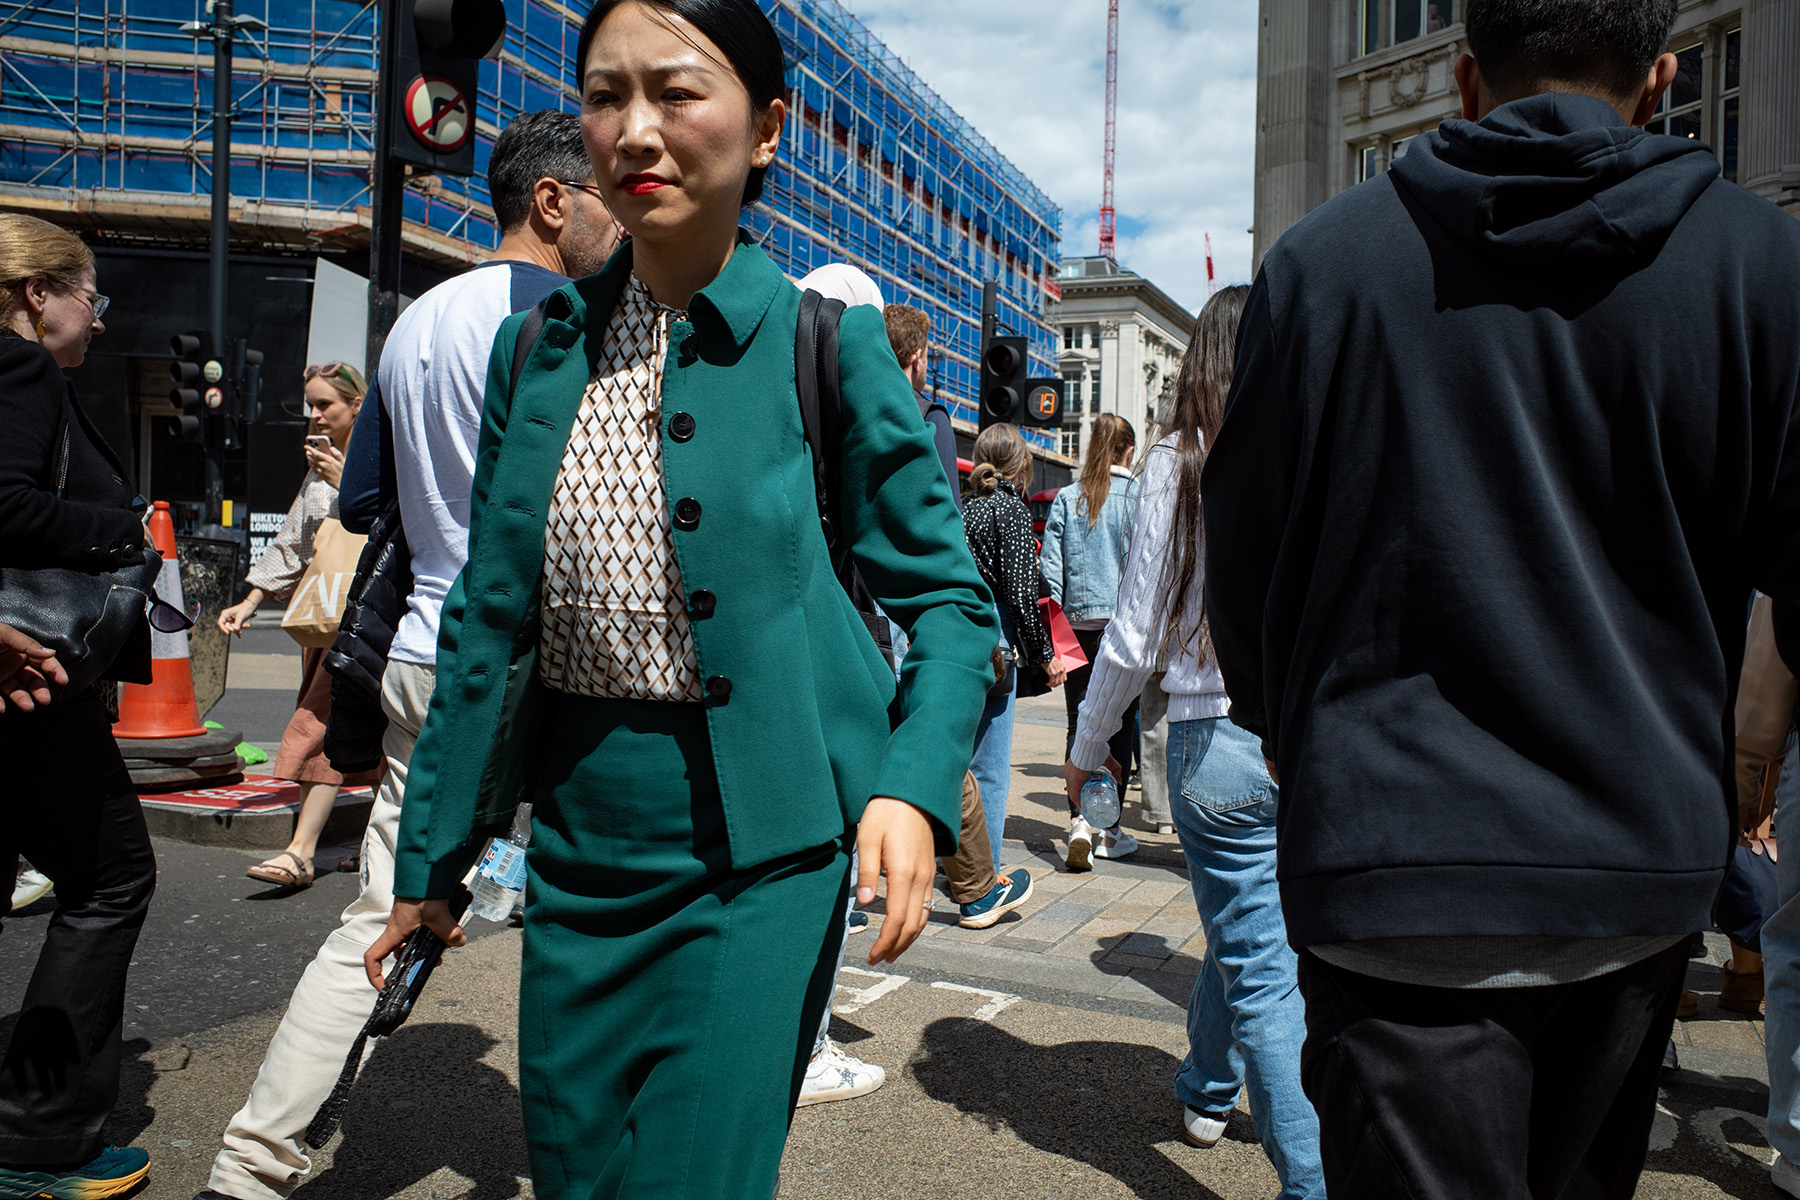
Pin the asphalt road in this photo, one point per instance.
(1031, 1060)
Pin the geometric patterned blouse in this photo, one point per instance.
(614, 622)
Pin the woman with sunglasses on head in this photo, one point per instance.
(650, 644)
(68, 804)
(334, 394)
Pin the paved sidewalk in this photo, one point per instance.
(1032, 1059)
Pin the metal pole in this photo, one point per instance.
(990, 297)
(224, 31)
(387, 180)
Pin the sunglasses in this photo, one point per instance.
(166, 618)
(339, 369)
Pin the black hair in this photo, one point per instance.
(537, 145)
(1612, 43)
(740, 31)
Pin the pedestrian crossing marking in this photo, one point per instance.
(861, 998)
(998, 1002)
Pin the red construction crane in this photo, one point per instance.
(1112, 127)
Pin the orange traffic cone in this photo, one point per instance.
(165, 707)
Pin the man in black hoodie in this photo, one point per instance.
(1510, 441)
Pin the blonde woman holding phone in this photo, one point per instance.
(334, 394)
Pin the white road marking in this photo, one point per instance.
(998, 1002)
(861, 998)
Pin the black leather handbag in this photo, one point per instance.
(84, 616)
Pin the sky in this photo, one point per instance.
(1031, 76)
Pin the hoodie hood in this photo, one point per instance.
(1557, 177)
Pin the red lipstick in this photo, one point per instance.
(643, 185)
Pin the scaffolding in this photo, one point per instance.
(880, 172)
(105, 123)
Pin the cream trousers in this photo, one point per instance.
(263, 1157)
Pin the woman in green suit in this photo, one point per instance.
(649, 642)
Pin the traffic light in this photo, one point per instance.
(243, 398)
(430, 84)
(1008, 396)
(1003, 368)
(199, 380)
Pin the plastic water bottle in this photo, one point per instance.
(1100, 800)
(500, 879)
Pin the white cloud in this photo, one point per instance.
(1031, 76)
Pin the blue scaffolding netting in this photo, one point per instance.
(110, 97)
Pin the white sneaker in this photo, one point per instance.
(1081, 845)
(29, 887)
(1114, 843)
(1785, 1175)
(1198, 1129)
(835, 1075)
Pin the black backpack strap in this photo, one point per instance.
(821, 395)
(529, 333)
(818, 321)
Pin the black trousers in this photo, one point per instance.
(1122, 745)
(1502, 1093)
(68, 805)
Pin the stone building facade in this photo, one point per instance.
(1122, 339)
(1343, 85)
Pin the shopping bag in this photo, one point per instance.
(317, 606)
(1062, 634)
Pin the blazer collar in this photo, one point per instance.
(732, 304)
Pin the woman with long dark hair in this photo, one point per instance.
(1246, 1019)
(650, 644)
(1085, 536)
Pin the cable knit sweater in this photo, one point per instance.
(1130, 650)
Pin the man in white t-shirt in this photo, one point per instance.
(417, 443)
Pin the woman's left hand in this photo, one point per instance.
(1056, 673)
(1074, 779)
(895, 839)
(328, 463)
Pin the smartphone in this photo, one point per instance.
(318, 441)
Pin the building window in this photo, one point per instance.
(1393, 22)
(1728, 107)
(1068, 337)
(1678, 114)
(1094, 390)
(1398, 148)
(1368, 163)
(1071, 442)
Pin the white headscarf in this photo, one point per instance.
(841, 281)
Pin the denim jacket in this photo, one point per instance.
(1082, 562)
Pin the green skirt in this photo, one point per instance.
(667, 1002)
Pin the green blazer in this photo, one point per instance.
(797, 693)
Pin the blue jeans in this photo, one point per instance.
(1781, 975)
(991, 763)
(1246, 1018)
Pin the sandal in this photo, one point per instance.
(298, 878)
(351, 865)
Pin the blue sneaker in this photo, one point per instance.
(113, 1172)
(858, 922)
(1012, 891)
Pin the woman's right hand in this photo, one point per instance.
(407, 916)
(233, 619)
(1055, 673)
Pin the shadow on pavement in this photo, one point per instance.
(1105, 1104)
(1711, 1134)
(424, 1102)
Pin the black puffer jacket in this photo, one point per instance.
(358, 658)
